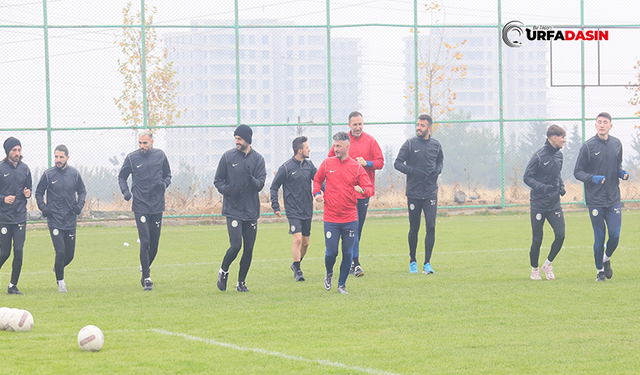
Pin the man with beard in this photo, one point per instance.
(295, 176)
(61, 184)
(151, 176)
(239, 178)
(15, 189)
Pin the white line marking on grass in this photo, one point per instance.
(323, 362)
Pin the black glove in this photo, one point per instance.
(562, 191)
(77, 209)
(548, 188)
(127, 196)
(46, 212)
(161, 185)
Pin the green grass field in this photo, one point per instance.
(478, 314)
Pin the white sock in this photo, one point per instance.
(61, 282)
(605, 258)
(547, 262)
(10, 285)
(602, 270)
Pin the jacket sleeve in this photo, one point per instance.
(219, 180)
(580, 170)
(258, 175)
(318, 179)
(82, 194)
(29, 182)
(166, 171)
(40, 190)
(439, 162)
(314, 170)
(378, 156)
(278, 180)
(530, 173)
(364, 182)
(401, 159)
(619, 161)
(125, 171)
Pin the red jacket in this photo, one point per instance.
(340, 197)
(367, 147)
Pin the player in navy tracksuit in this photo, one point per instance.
(150, 176)
(542, 175)
(61, 184)
(599, 166)
(421, 159)
(296, 177)
(239, 178)
(15, 189)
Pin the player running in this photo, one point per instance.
(296, 176)
(599, 166)
(345, 181)
(421, 159)
(542, 175)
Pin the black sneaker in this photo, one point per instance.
(352, 270)
(327, 281)
(600, 277)
(13, 290)
(222, 280)
(299, 276)
(148, 284)
(241, 287)
(608, 272)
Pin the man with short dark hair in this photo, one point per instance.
(421, 159)
(345, 181)
(296, 176)
(239, 178)
(15, 189)
(151, 176)
(364, 149)
(65, 199)
(542, 175)
(599, 167)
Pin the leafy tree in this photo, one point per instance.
(160, 75)
(439, 68)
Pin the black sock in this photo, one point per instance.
(356, 262)
(296, 265)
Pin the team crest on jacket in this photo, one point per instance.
(56, 232)
(143, 219)
(4, 230)
(594, 212)
(538, 216)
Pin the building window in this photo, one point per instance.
(266, 113)
(252, 39)
(301, 40)
(252, 84)
(253, 99)
(302, 70)
(265, 54)
(265, 69)
(266, 99)
(252, 54)
(252, 69)
(266, 84)
(253, 114)
(265, 39)
(303, 98)
(302, 84)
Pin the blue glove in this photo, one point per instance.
(597, 179)
(623, 175)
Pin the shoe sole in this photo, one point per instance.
(428, 273)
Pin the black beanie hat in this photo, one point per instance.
(10, 143)
(243, 131)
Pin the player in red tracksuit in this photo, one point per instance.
(345, 182)
(365, 150)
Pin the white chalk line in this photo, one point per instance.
(272, 353)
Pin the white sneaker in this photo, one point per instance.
(548, 271)
(62, 287)
(535, 274)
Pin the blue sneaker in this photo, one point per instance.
(427, 269)
(413, 267)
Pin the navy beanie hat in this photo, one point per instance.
(10, 143)
(243, 131)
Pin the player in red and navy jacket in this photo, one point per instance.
(345, 181)
(365, 150)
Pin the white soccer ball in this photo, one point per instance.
(4, 323)
(90, 338)
(21, 321)
(3, 311)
